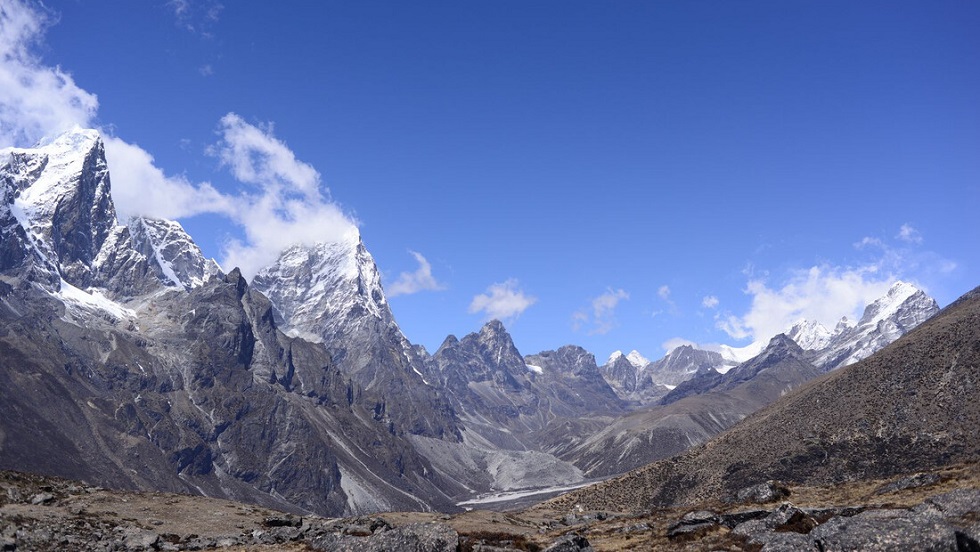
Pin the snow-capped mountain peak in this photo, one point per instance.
(634, 357)
(59, 193)
(637, 360)
(320, 290)
(168, 244)
(900, 310)
(809, 334)
(887, 306)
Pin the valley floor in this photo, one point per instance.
(43, 513)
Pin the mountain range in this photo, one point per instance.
(130, 360)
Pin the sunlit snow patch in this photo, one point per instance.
(71, 296)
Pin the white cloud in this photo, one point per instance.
(255, 156)
(664, 292)
(414, 282)
(502, 301)
(284, 206)
(289, 207)
(868, 241)
(821, 293)
(603, 317)
(139, 187)
(909, 234)
(36, 101)
(709, 302)
(39, 102)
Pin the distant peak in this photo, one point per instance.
(493, 327)
(616, 355)
(681, 349)
(900, 291)
(636, 359)
(783, 343)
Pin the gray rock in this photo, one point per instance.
(42, 498)
(136, 539)
(910, 482)
(957, 503)
(417, 537)
(789, 518)
(570, 543)
(968, 540)
(690, 531)
(770, 491)
(785, 542)
(693, 525)
(734, 519)
(700, 516)
(885, 530)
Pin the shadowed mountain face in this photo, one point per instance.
(517, 402)
(912, 406)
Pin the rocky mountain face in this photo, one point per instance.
(331, 293)
(910, 407)
(517, 412)
(903, 308)
(170, 247)
(128, 360)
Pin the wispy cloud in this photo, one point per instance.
(664, 292)
(709, 302)
(909, 234)
(196, 16)
(868, 241)
(602, 318)
(414, 282)
(502, 301)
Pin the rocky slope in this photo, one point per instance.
(924, 511)
(909, 407)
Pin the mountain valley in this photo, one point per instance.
(130, 361)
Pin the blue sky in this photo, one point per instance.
(616, 175)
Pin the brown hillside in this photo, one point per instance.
(912, 406)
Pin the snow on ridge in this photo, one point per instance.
(636, 359)
(535, 369)
(887, 306)
(92, 299)
(614, 357)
